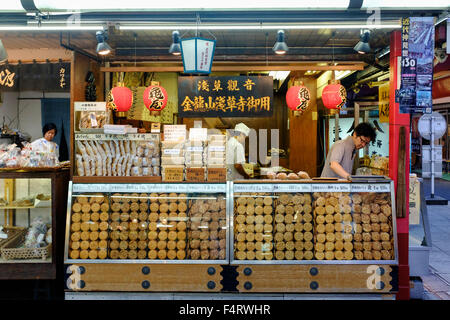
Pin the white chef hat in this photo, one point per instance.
(242, 128)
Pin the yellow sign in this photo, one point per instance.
(383, 102)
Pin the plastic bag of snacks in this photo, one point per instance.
(36, 235)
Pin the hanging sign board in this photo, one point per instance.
(35, 77)
(197, 54)
(212, 97)
(383, 102)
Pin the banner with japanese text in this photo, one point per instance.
(228, 96)
(414, 95)
(54, 77)
(383, 102)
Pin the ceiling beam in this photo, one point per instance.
(216, 68)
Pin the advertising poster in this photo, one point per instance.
(414, 95)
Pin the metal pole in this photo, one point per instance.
(432, 157)
(336, 127)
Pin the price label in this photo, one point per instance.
(341, 187)
(217, 174)
(128, 136)
(195, 174)
(151, 187)
(379, 188)
(173, 174)
(90, 106)
(195, 149)
(297, 187)
(95, 187)
(171, 151)
(216, 148)
(253, 187)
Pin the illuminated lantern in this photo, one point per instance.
(298, 98)
(120, 99)
(334, 96)
(155, 98)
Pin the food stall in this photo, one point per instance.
(174, 233)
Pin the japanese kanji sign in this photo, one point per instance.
(237, 96)
(35, 76)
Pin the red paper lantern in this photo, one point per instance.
(155, 98)
(334, 96)
(120, 99)
(298, 98)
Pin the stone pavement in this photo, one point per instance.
(437, 283)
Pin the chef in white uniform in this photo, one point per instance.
(235, 155)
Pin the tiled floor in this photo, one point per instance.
(437, 283)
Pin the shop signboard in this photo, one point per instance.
(414, 95)
(230, 96)
(35, 77)
(383, 102)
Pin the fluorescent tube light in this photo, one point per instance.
(51, 28)
(257, 27)
(119, 5)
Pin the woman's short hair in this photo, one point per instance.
(49, 126)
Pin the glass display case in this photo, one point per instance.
(31, 239)
(303, 222)
(163, 223)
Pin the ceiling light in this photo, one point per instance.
(363, 46)
(103, 47)
(3, 53)
(280, 46)
(52, 27)
(259, 26)
(279, 75)
(175, 47)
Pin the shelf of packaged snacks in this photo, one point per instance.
(50, 268)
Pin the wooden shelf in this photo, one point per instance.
(25, 261)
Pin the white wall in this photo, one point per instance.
(25, 115)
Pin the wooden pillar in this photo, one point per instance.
(397, 120)
(303, 139)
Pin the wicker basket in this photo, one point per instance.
(12, 232)
(10, 251)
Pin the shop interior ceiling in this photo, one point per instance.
(315, 47)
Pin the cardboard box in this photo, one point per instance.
(172, 152)
(220, 161)
(194, 164)
(217, 137)
(172, 161)
(172, 144)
